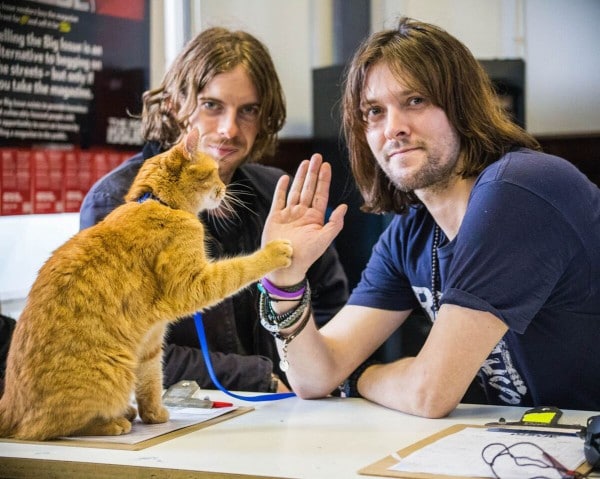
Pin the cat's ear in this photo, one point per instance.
(191, 140)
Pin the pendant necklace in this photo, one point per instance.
(435, 271)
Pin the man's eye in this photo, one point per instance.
(210, 105)
(416, 100)
(250, 111)
(371, 113)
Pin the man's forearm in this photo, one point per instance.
(312, 373)
(400, 385)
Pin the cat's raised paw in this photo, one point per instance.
(282, 251)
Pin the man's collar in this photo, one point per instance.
(150, 149)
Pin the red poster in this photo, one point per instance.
(47, 178)
(77, 179)
(71, 76)
(15, 181)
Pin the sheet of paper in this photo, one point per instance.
(460, 454)
(180, 418)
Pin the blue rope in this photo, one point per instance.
(211, 371)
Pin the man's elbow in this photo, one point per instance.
(434, 403)
(432, 400)
(312, 391)
(435, 411)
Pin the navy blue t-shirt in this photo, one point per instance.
(527, 251)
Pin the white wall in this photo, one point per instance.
(478, 24)
(25, 244)
(284, 26)
(558, 39)
(562, 45)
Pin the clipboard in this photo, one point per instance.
(138, 445)
(381, 467)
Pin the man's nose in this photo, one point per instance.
(396, 124)
(228, 125)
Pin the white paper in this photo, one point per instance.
(179, 418)
(460, 454)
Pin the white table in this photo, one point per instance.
(291, 438)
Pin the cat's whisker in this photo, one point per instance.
(223, 217)
(238, 187)
(234, 205)
(234, 196)
(233, 201)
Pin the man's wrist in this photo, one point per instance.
(284, 279)
(291, 292)
(349, 388)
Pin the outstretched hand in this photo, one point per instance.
(300, 218)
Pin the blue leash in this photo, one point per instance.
(211, 371)
(203, 344)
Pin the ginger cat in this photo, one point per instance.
(91, 332)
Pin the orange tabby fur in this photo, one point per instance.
(92, 330)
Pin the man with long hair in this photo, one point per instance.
(495, 240)
(224, 83)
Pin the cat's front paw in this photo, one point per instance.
(130, 413)
(157, 416)
(281, 251)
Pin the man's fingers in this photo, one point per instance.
(279, 196)
(310, 186)
(333, 227)
(293, 197)
(321, 194)
(312, 177)
(336, 219)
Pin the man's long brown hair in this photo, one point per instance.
(441, 68)
(167, 109)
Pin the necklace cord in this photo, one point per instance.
(435, 271)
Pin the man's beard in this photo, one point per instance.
(435, 172)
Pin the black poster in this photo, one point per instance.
(73, 72)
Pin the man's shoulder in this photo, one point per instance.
(118, 181)
(523, 162)
(108, 192)
(532, 170)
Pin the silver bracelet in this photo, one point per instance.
(284, 364)
(274, 322)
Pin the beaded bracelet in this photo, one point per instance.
(284, 364)
(287, 292)
(274, 322)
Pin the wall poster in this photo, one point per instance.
(72, 73)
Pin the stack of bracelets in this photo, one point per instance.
(274, 322)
